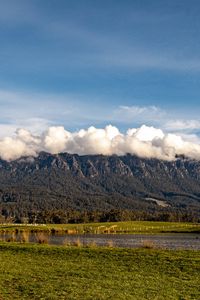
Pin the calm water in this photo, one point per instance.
(168, 241)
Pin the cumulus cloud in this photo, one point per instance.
(14, 148)
(145, 141)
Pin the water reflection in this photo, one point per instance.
(167, 241)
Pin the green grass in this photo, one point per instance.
(117, 227)
(49, 272)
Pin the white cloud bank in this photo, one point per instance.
(147, 142)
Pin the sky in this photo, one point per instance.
(88, 63)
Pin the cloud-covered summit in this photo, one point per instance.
(145, 141)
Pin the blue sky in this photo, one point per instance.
(82, 63)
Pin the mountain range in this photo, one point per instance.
(97, 182)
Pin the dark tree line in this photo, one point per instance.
(113, 215)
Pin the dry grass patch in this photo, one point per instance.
(42, 238)
(148, 244)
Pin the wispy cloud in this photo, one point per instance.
(34, 111)
(38, 111)
(26, 109)
(155, 115)
(141, 59)
(35, 125)
(183, 125)
(135, 113)
(16, 104)
(72, 43)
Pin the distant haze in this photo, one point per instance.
(145, 141)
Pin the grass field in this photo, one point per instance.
(49, 272)
(117, 227)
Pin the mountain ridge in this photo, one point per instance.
(98, 182)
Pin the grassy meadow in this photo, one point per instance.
(129, 227)
(32, 271)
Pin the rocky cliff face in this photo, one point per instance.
(99, 182)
